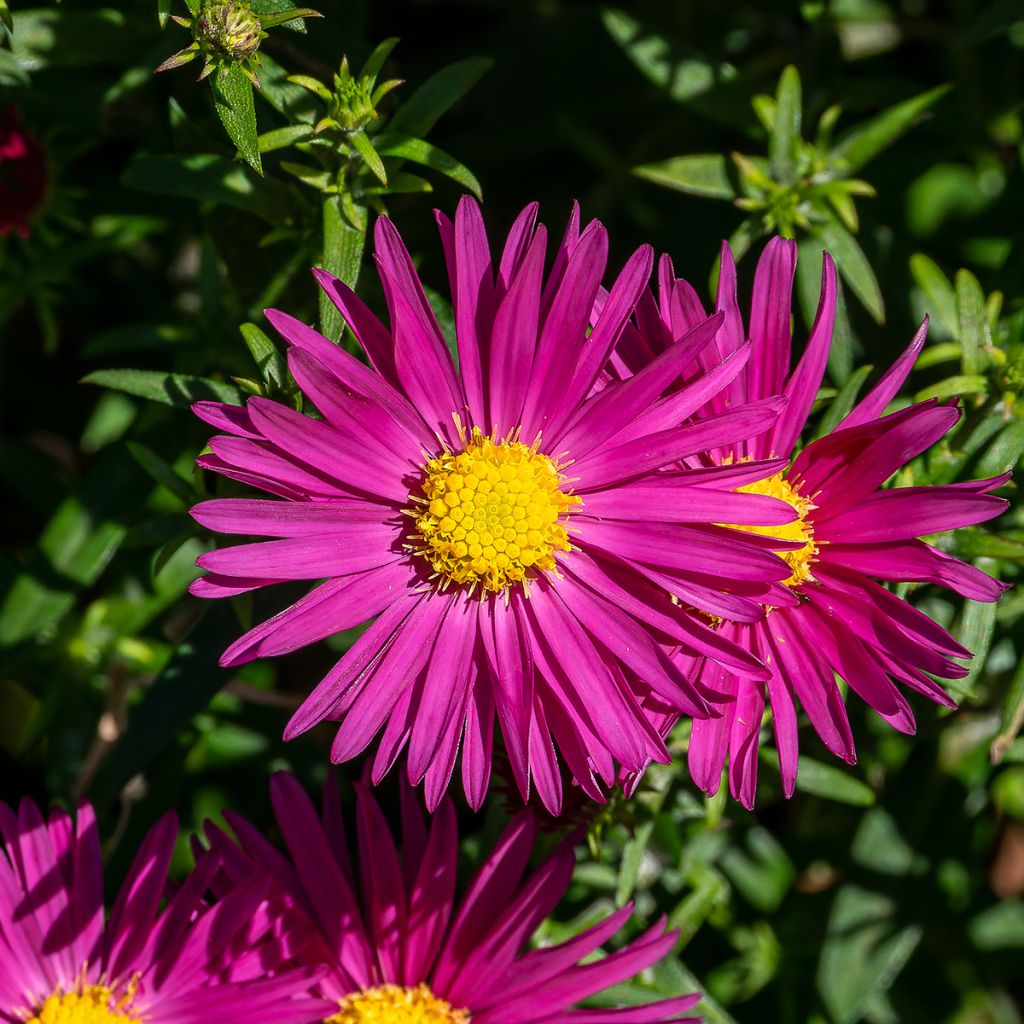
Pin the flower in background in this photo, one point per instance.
(190, 963)
(517, 534)
(849, 532)
(23, 175)
(399, 947)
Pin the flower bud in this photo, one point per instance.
(230, 30)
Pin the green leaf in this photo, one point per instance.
(270, 361)
(162, 472)
(865, 948)
(862, 143)
(279, 138)
(427, 154)
(785, 136)
(211, 178)
(292, 18)
(843, 402)
(364, 147)
(169, 388)
(425, 106)
(1005, 451)
(706, 174)
(632, 859)
(975, 338)
(977, 628)
(163, 9)
(999, 927)
(232, 93)
(853, 265)
(342, 257)
(953, 387)
(1011, 716)
(372, 67)
(938, 292)
(184, 688)
(827, 781)
(680, 70)
(313, 85)
(760, 869)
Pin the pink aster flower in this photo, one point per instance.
(851, 531)
(189, 963)
(22, 175)
(399, 946)
(513, 523)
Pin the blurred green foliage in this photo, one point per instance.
(890, 891)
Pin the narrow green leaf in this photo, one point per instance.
(313, 176)
(163, 10)
(706, 174)
(975, 338)
(843, 402)
(400, 182)
(232, 93)
(1011, 716)
(184, 688)
(425, 106)
(938, 292)
(286, 136)
(866, 946)
(312, 84)
(168, 388)
(270, 361)
(681, 71)
(427, 154)
(785, 136)
(162, 472)
(953, 387)
(977, 628)
(1005, 451)
(364, 147)
(632, 859)
(214, 179)
(862, 143)
(288, 17)
(342, 257)
(372, 68)
(853, 265)
(827, 781)
(749, 231)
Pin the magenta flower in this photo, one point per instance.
(62, 963)
(850, 532)
(23, 175)
(399, 947)
(515, 525)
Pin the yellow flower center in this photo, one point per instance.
(799, 559)
(392, 1004)
(93, 1004)
(491, 513)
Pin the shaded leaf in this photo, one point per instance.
(705, 174)
(938, 292)
(425, 106)
(862, 143)
(853, 265)
(169, 388)
(785, 135)
(427, 154)
(827, 781)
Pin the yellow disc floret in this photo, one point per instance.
(91, 1004)
(392, 1004)
(799, 559)
(491, 514)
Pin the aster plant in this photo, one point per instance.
(528, 540)
(63, 961)
(395, 942)
(851, 532)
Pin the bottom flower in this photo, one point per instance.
(61, 962)
(399, 948)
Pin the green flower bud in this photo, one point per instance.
(229, 30)
(351, 104)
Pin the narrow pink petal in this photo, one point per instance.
(875, 401)
(770, 314)
(802, 387)
(514, 340)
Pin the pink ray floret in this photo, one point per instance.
(569, 648)
(391, 924)
(163, 955)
